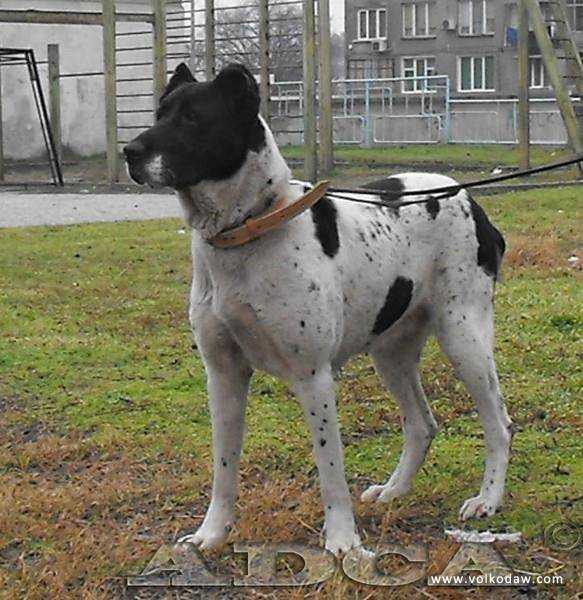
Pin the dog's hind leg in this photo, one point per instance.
(466, 335)
(228, 375)
(318, 401)
(397, 366)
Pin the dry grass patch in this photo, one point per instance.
(534, 251)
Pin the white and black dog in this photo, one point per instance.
(340, 279)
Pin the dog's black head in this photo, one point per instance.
(203, 131)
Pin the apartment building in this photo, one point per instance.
(474, 42)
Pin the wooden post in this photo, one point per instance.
(325, 89)
(2, 167)
(264, 58)
(524, 82)
(61, 17)
(55, 96)
(192, 60)
(309, 59)
(159, 48)
(109, 71)
(209, 39)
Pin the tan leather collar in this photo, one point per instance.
(276, 216)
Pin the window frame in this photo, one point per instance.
(471, 32)
(473, 89)
(573, 7)
(417, 83)
(542, 73)
(377, 22)
(412, 7)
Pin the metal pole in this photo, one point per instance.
(325, 89)
(523, 92)
(209, 39)
(159, 48)
(264, 58)
(55, 96)
(309, 56)
(447, 135)
(368, 116)
(109, 70)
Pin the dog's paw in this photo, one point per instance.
(384, 493)
(478, 506)
(340, 544)
(207, 537)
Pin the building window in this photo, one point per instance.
(384, 68)
(474, 17)
(538, 77)
(417, 20)
(575, 14)
(417, 66)
(372, 24)
(370, 68)
(476, 74)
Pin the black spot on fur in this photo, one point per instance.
(432, 207)
(395, 305)
(325, 219)
(491, 244)
(392, 189)
(322, 442)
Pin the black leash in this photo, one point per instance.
(448, 191)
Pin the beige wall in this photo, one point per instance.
(82, 98)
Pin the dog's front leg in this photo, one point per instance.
(228, 376)
(317, 397)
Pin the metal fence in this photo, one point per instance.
(495, 121)
(371, 111)
(418, 110)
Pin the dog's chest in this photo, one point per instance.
(279, 299)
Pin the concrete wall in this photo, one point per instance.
(82, 98)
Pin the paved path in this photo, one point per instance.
(23, 209)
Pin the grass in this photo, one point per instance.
(356, 165)
(460, 155)
(105, 451)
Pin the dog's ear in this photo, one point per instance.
(240, 91)
(181, 76)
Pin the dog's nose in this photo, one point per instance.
(134, 150)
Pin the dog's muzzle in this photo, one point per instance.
(134, 154)
(146, 167)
